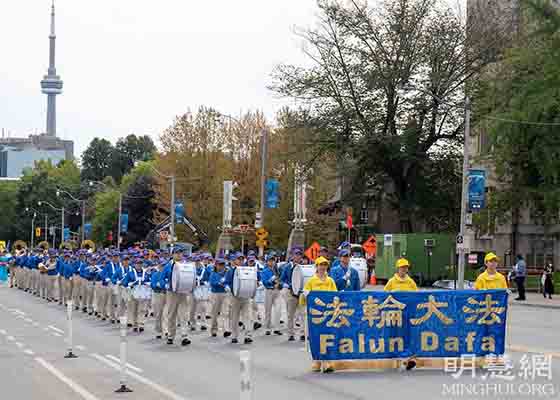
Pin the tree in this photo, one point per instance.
(131, 149)
(139, 204)
(382, 93)
(521, 112)
(8, 199)
(98, 160)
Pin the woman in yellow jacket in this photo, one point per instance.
(401, 281)
(321, 281)
(491, 278)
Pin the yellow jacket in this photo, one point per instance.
(486, 281)
(317, 284)
(397, 284)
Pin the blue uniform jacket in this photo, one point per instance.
(133, 278)
(267, 277)
(166, 275)
(352, 284)
(286, 277)
(107, 273)
(217, 281)
(155, 281)
(229, 277)
(207, 272)
(120, 272)
(67, 268)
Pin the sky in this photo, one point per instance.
(131, 66)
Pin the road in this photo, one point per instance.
(32, 349)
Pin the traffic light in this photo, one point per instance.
(37, 232)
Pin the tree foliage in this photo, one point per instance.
(382, 92)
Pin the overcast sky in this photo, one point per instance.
(131, 66)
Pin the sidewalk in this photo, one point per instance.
(533, 299)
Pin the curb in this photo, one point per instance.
(532, 305)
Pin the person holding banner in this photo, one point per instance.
(345, 277)
(321, 281)
(401, 281)
(491, 278)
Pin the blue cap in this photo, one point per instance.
(270, 256)
(251, 253)
(343, 253)
(251, 258)
(178, 250)
(220, 261)
(344, 244)
(297, 251)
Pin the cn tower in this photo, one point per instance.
(51, 84)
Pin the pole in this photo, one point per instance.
(62, 226)
(32, 229)
(264, 151)
(83, 221)
(462, 232)
(46, 234)
(246, 392)
(123, 388)
(172, 213)
(70, 338)
(119, 223)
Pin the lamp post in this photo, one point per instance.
(461, 242)
(83, 204)
(61, 217)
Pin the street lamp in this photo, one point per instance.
(39, 203)
(83, 202)
(464, 187)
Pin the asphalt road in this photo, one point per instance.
(32, 363)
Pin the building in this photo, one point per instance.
(16, 154)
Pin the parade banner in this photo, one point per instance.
(272, 193)
(477, 189)
(179, 213)
(375, 325)
(124, 222)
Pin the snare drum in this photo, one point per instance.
(202, 293)
(184, 277)
(245, 282)
(300, 275)
(360, 265)
(141, 292)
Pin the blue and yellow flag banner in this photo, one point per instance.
(373, 325)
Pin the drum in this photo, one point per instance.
(202, 293)
(184, 277)
(142, 292)
(300, 276)
(245, 282)
(360, 265)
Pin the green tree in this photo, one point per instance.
(8, 199)
(132, 149)
(98, 161)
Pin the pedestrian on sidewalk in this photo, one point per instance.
(520, 271)
(547, 281)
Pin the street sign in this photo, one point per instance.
(460, 239)
(370, 246)
(243, 228)
(313, 251)
(258, 220)
(387, 240)
(261, 233)
(473, 258)
(262, 243)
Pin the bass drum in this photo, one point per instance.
(360, 265)
(184, 277)
(245, 282)
(300, 275)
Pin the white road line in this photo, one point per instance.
(28, 320)
(11, 338)
(20, 345)
(16, 311)
(3, 332)
(45, 329)
(73, 385)
(81, 348)
(30, 352)
(141, 379)
(56, 334)
(132, 367)
(54, 328)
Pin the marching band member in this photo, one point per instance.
(174, 301)
(52, 274)
(319, 282)
(158, 297)
(491, 278)
(239, 306)
(42, 269)
(67, 267)
(270, 278)
(345, 277)
(401, 281)
(119, 304)
(291, 299)
(87, 274)
(79, 283)
(252, 262)
(193, 302)
(105, 299)
(134, 278)
(35, 274)
(218, 294)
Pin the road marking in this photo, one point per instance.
(81, 348)
(132, 367)
(523, 349)
(20, 345)
(30, 352)
(11, 338)
(73, 385)
(141, 379)
(46, 329)
(54, 328)
(16, 311)
(28, 320)
(56, 334)
(35, 324)
(3, 332)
